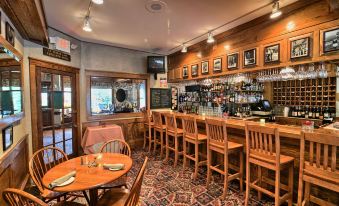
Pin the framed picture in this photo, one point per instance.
(300, 48)
(184, 72)
(7, 137)
(10, 35)
(204, 67)
(330, 40)
(233, 61)
(217, 64)
(250, 57)
(272, 54)
(194, 70)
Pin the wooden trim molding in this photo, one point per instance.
(90, 73)
(14, 166)
(34, 64)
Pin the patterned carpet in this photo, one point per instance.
(165, 185)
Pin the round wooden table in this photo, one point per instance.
(88, 178)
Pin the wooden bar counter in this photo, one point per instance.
(289, 141)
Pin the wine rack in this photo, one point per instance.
(312, 92)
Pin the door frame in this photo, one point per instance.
(33, 64)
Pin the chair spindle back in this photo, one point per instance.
(116, 146)
(216, 132)
(15, 197)
(157, 118)
(171, 122)
(190, 127)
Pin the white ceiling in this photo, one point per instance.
(127, 23)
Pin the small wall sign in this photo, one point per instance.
(56, 54)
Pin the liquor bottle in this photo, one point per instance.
(306, 112)
(317, 113)
(310, 113)
(326, 113)
(303, 112)
(321, 114)
(314, 111)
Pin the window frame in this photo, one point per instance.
(122, 75)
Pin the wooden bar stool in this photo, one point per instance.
(148, 127)
(191, 136)
(160, 128)
(172, 131)
(217, 142)
(263, 150)
(323, 170)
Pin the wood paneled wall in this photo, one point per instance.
(310, 18)
(14, 167)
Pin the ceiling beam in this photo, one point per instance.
(333, 4)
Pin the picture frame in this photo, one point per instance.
(329, 40)
(7, 137)
(272, 54)
(204, 67)
(217, 64)
(300, 47)
(10, 35)
(250, 57)
(185, 72)
(194, 70)
(233, 60)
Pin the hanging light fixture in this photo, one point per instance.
(184, 48)
(98, 1)
(210, 38)
(87, 25)
(275, 10)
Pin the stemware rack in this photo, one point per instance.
(312, 92)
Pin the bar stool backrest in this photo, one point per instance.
(134, 195)
(324, 159)
(157, 118)
(190, 127)
(15, 197)
(147, 116)
(216, 132)
(42, 161)
(171, 122)
(263, 140)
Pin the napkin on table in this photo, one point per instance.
(113, 166)
(61, 180)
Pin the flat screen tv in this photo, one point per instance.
(155, 64)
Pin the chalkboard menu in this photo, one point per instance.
(160, 98)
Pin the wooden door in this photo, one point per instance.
(55, 113)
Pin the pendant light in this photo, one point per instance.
(98, 1)
(275, 10)
(87, 25)
(210, 38)
(184, 48)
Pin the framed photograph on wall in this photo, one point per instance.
(10, 35)
(217, 64)
(184, 72)
(204, 67)
(194, 70)
(330, 40)
(7, 137)
(272, 54)
(250, 57)
(233, 61)
(300, 48)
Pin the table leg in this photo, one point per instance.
(93, 197)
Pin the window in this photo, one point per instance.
(112, 95)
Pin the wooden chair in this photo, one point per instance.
(123, 197)
(15, 197)
(263, 150)
(172, 131)
(217, 141)
(191, 136)
(42, 161)
(148, 127)
(160, 128)
(120, 147)
(320, 168)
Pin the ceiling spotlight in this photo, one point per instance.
(275, 10)
(87, 25)
(210, 38)
(184, 48)
(98, 1)
(227, 47)
(199, 55)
